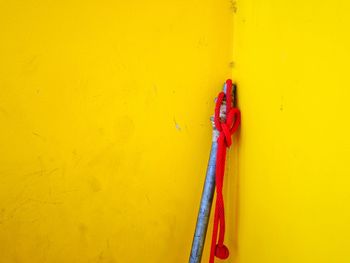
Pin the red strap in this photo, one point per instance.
(226, 129)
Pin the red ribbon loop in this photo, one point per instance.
(226, 129)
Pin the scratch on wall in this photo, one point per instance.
(177, 126)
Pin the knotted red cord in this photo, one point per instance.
(226, 129)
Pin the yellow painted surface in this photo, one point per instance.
(105, 136)
(291, 63)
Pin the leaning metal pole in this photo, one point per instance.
(207, 198)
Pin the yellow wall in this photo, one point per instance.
(105, 135)
(291, 63)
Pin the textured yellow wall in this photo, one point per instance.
(291, 63)
(105, 136)
(105, 133)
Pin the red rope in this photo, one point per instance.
(226, 129)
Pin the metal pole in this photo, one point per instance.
(207, 194)
(205, 206)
